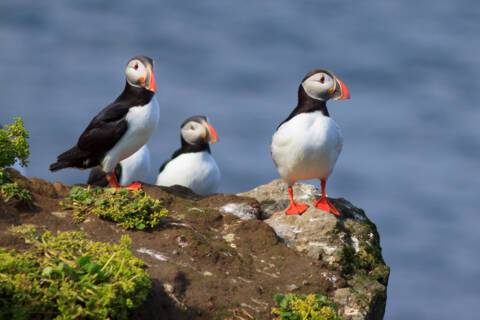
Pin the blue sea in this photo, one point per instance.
(412, 140)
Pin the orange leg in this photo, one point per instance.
(112, 180)
(323, 204)
(134, 186)
(295, 208)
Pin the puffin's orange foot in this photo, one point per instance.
(325, 205)
(134, 186)
(296, 208)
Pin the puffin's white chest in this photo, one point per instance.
(142, 122)
(136, 167)
(306, 147)
(197, 171)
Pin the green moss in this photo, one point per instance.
(348, 260)
(130, 209)
(66, 276)
(13, 144)
(369, 258)
(381, 273)
(309, 307)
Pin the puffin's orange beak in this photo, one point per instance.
(152, 85)
(342, 92)
(212, 134)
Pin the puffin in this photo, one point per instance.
(135, 168)
(306, 145)
(192, 165)
(121, 128)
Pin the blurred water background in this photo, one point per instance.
(412, 143)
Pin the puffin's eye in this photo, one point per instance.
(135, 66)
(322, 79)
(192, 127)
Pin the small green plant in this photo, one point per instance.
(67, 276)
(130, 209)
(11, 190)
(13, 147)
(309, 307)
(13, 144)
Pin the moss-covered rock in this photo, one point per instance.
(349, 245)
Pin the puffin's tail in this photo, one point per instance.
(73, 158)
(57, 166)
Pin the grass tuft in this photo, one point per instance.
(129, 209)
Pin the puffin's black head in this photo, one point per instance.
(139, 73)
(323, 85)
(197, 131)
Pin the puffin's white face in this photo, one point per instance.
(320, 86)
(198, 132)
(140, 75)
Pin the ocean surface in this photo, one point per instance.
(412, 140)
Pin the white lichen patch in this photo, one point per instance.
(240, 210)
(292, 287)
(351, 311)
(154, 254)
(59, 214)
(181, 241)
(229, 237)
(330, 277)
(169, 288)
(355, 243)
(287, 232)
(327, 249)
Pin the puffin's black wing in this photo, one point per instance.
(105, 129)
(103, 132)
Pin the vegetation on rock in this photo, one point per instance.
(11, 190)
(368, 260)
(13, 147)
(66, 276)
(130, 209)
(13, 144)
(309, 307)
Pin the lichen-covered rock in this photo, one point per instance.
(241, 210)
(349, 244)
